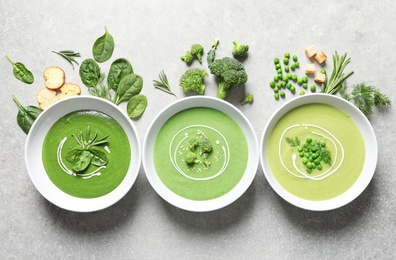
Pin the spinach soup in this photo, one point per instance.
(200, 153)
(86, 154)
(316, 152)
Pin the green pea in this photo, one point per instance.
(282, 94)
(299, 81)
(276, 61)
(276, 78)
(308, 170)
(283, 84)
(309, 165)
(294, 77)
(302, 93)
(299, 149)
(319, 167)
(287, 55)
(305, 79)
(323, 71)
(272, 84)
(278, 66)
(288, 85)
(297, 64)
(276, 96)
(317, 161)
(301, 155)
(276, 89)
(313, 88)
(305, 85)
(279, 71)
(289, 76)
(322, 143)
(280, 75)
(293, 67)
(287, 68)
(308, 139)
(304, 160)
(295, 58)
(286, 61)
(292, 89)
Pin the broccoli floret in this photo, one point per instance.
(231, 73)
(188, 57)
(207, 163)
(248, 99)
(193, 144)
(240, 50)
(192, 80)
(205, 146)
(212, 52)
(197, 50)
(191, 158)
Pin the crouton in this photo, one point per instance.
(320, 57)
(54, 77)
(46, 97)
(320, 77)
(310, 51)
(69, 90)
(310, 69)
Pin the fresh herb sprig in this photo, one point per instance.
(338, 77)
(365, 98)
(69, 55)
(163, 83)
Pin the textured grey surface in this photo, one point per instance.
(152, 35)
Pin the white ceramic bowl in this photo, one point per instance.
(195, 205)
(370, 157)
(33, 153)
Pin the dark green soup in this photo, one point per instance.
(86, 154)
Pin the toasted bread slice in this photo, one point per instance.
(46, 97)
(54, 77)
(69, 90)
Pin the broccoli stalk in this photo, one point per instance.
(239, 50)
(192, 80)
(231, 73)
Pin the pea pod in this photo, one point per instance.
(26, 115)
(129, 86)
(103, 47)
(118, 70)
(136, 106)
(21, 72)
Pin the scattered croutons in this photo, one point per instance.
(55, 87)
(310, 69)
(320, 77)
(54, 77)
(320, 57)
(310, 51)
(46, 97)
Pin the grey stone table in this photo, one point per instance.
(153, 35)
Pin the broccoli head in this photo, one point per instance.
(191, 158)
(205, 146)
(197, 50)
(192, 80)
(240, 50)
(231, 73)
(188, 57)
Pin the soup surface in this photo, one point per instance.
(64, 156)
(336, 137)
(200, 153)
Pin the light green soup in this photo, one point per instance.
(342, 139)
(214, 173)
(94, 181)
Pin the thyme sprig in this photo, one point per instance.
(69, 55)
(163, 83)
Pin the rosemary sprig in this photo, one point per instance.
(69, 55)
(332, 85)
(163, 83)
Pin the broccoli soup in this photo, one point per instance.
(316, 152)
(200, 153)
(86, 154)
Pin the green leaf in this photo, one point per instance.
(136, 106)
(26, 115)
(21, 72)
(129, 86)
(118, 70)
(90, 73)
(99, 158)
(71, 154)
(103, 47)
(81, 161)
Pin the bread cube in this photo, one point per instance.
(310, 69)
(311, 51)
(320, 77)
(320, 57)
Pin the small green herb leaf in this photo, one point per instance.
(129, 86)
(103, 47)
(136, 106)
(21, 72)
(26, 115)
(69, 55)
(163, 83)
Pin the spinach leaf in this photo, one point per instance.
(26, 115)
(99, 158)
(71, 154)
(21, 72)
(82, 159)
(103, 47)
(129, 86)
(118, 70)
(136, 106)
(90, 73)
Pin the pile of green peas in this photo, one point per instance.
(312, 154)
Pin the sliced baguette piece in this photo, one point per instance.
(54, 77)
(69, 90)
(46, 97)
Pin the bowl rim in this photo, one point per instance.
(194, 205)
(369, 165)
(38, 175)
